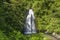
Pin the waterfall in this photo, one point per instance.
(29, 23)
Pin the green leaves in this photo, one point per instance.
(13, 14)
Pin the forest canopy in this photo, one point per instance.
(13, 14)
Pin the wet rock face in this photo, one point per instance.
(29, 23)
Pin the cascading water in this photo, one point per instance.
(29, 23)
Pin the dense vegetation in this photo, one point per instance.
(12, 18)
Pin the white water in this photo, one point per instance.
(29, 24)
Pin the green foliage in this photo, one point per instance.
(38, 36)
(46, 38)
(12, 18)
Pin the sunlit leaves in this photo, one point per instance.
(13, 15)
